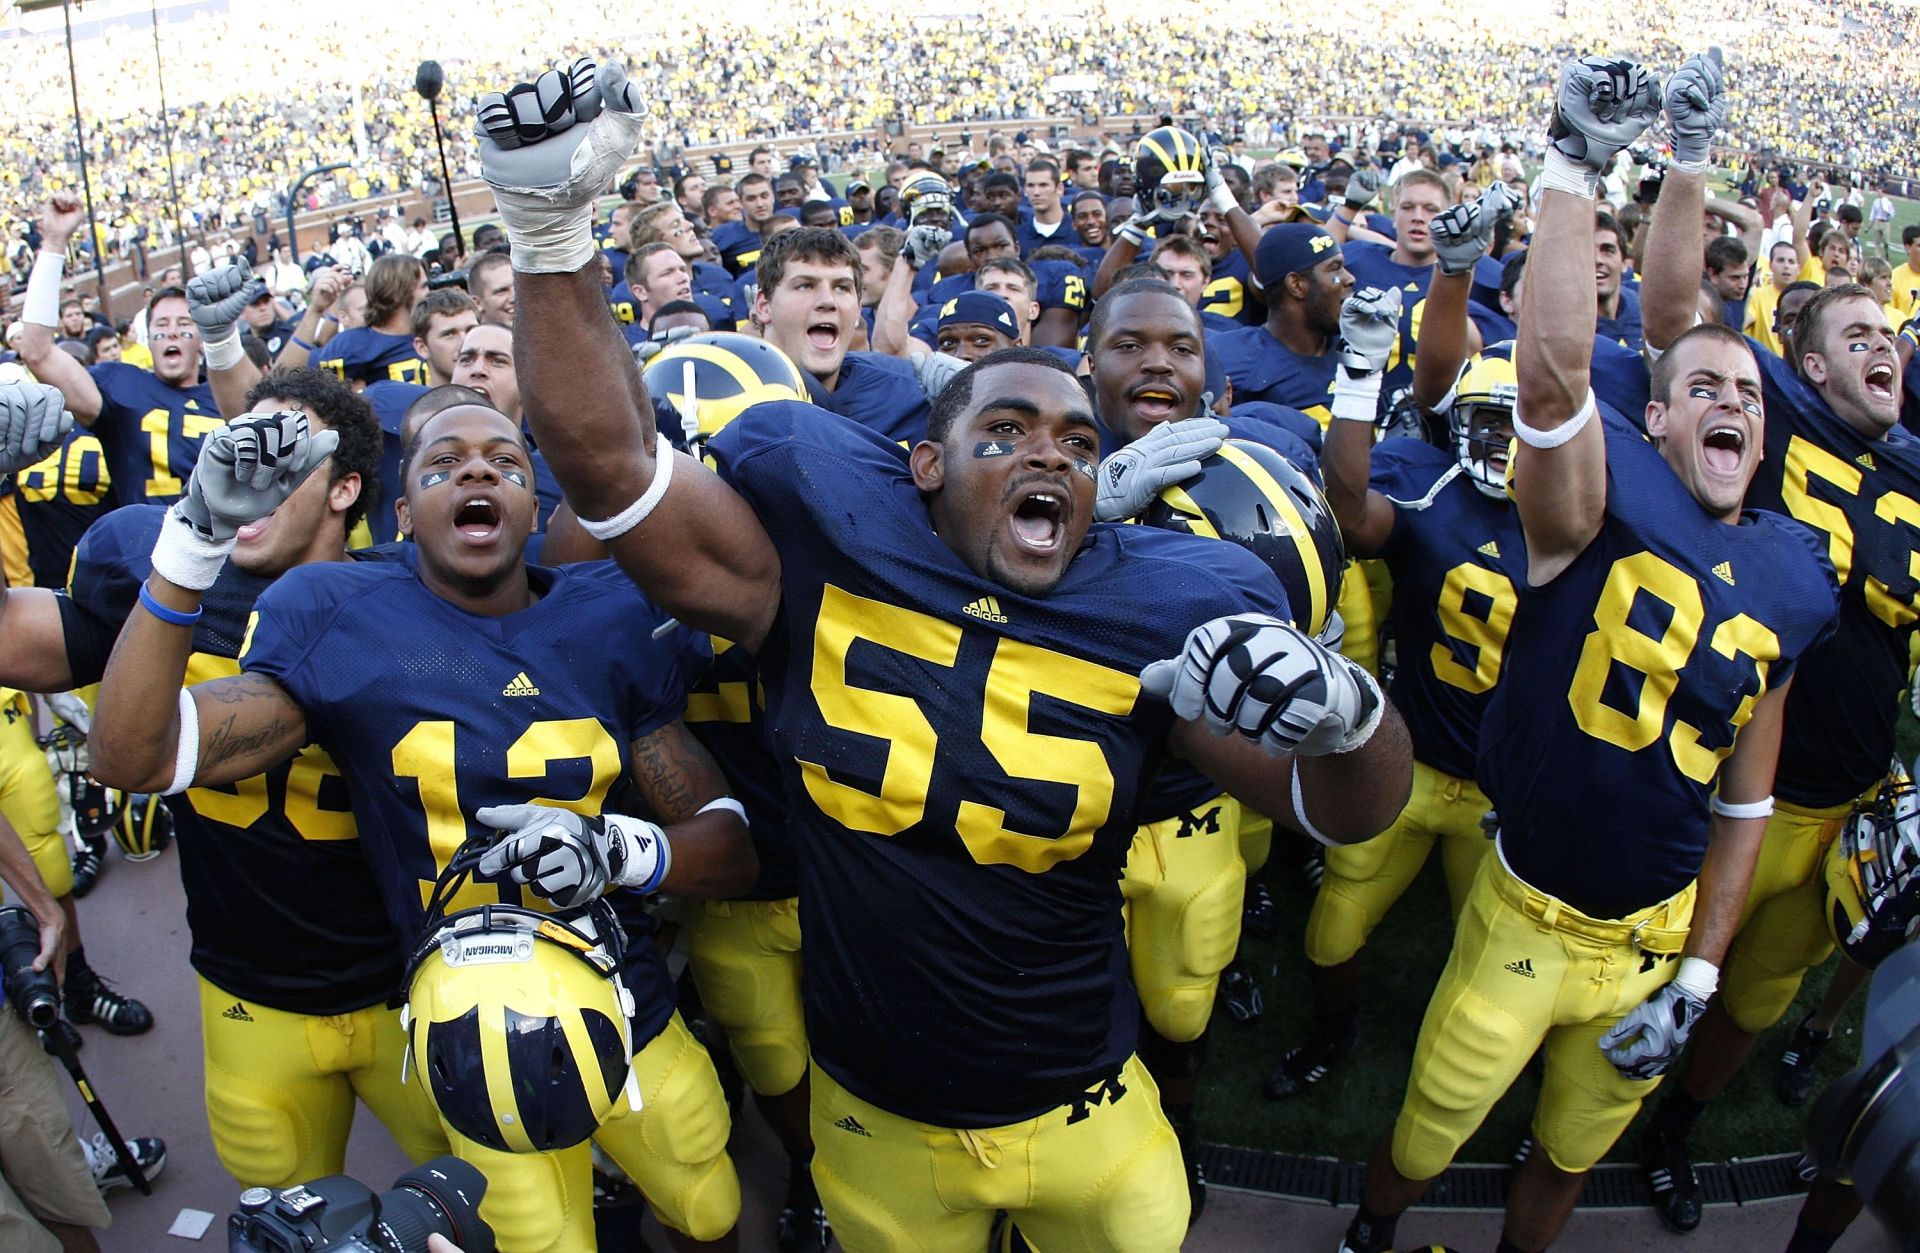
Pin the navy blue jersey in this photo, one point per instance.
(1620, 379)
(1457, 557)
(1662, 634)
(1862, 498)
(739, 247)
(1230, 292)
(389, 401)
(282, 906)
(1494, 325)
(879, 392)
(1263, 368)
(1910, 378)
(726, 711)
(57, 499)
(433, 713)
(151, 431)
(1094, 256)
(1028, 237)
(1373, 266)
(1624, 327)
(963, 764)
(364, 355)
(1062, 285)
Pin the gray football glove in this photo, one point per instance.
(922, 245)
(1362, 188)
(1270, 682)
(1602, 105)
(1170, 453)
(33, 421)
(1653, 1034)
(1696, 103)
(1462, 235)
(247, 469)
(217, 298)
(1369, 325)
(571, 860)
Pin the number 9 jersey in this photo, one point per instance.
(1629, 675)
(963, 765)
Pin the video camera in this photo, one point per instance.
(33, 992)
(342, 1214)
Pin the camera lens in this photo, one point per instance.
(442, 1196)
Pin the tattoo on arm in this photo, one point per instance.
(244, 717)
(675, 773)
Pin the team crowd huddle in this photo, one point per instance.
(719, 634)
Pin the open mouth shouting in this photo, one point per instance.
(477, 521)
(1039, 518)
(1157, 402)
(1880, 383)
(1723, 446)
(823, 336)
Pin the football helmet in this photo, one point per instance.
(701, 383)
(1480, 417)
(1873, 873)
(1253, 496)
(143, 827)
(925, 195)
(96, 807)
(1167, 169)
(519, 1022)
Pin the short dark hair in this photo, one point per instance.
(1155, 285)
(711, 196)
(1511, 271)
(1046, 165)
(1052, 252)
(958, 394)
(425, 406)
(1807, 327)
(441, 303)
(1851, 213)
(751, 179)
(1668, 364)
(822, 245)
(1604, 221)
(1910, 235)
(1726, 253)
(345, 414)
(1000, 178)
(169, 292)
(673, 307)
(1778, 244)
(979, 220)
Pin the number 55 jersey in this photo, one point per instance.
(963, 765)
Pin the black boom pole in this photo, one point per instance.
(80, 145)
(428, 80)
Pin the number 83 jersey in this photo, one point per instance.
(1628, 677)
(962, 765)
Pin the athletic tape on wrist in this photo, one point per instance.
(727, 803)
(1536, 438)
(1222, 198)
(636, 513)
(186, 754)
(1762, 808)
(1356, 397)
(183, 558)
(224, 354)
(42, 304)
(1698, 976)
(1559, 173)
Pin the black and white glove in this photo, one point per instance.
(1369, 324)
(1363, 186)
(1462, 234)
(572, 860)
(1219, 195)
(1270, 682)
(1696, 103)
(216, 299)
(1602, 105)
(1169, 453)
(33, 421)
(549, 148)
(923, 245)
(1654, 1033)
(247, 469)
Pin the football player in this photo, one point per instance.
(1632, 809)
(490, 283)
(1406, 264)
(1045, 220)
(1303, 277)
(513, 712)
(382, 347)
(294, 957)
(1836, 460)
(961, 724)
(990, 237)
(740, 242)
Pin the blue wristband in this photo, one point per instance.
(172, 617)
(297, 342)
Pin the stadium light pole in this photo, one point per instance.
(293, 199)
(166, 135)
(86, 181)
(428, 80)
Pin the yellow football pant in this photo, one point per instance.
(280, 1087)
(1530, 973)
(1364, 880)
(1101, 1173)
(746, 962)
(29, 798)
(674, 1147)
(1783, 927)
(1184, 885)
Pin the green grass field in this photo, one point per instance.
(1342, 1115)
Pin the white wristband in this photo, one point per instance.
(727, 803)
(1364, 732)
(1537, 438)
(1698, 976)
(41, 307)
(1222, 198)
(1559, 173)
(1762, 808)
(186, 756)
(1300, 811)
(1356, 398)
(224, 354)
(636, 513)
(184, 559)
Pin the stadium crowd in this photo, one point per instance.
(734, 566)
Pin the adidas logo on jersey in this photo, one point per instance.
(850, 1123)
(1724, 572)
(521, 686)
(987, 609)
(1522, 967)
(238, 1013)
(1489, 549)
(1865, 459)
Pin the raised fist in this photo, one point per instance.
(1696, 102)
(1369, 324)
(33, 421)
(1602, 106)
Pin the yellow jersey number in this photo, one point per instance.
(1485, 634)
(63, 474)
(158, 424)
(1807, 461)
(1017, 674)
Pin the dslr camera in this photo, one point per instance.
(32, 992)
(342, 1214)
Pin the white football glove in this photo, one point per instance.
(1270, 682)
(1170, 453)
(923, 244)
(1601, 106)
(247, 469)
(1654, 1033)
(548, 149)
(1696, 103)
(1462, 235)
(217, 298)
(1369, 325)
(33, 421)
(571, 860)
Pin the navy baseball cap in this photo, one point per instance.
(1290, 248)
(980, 308)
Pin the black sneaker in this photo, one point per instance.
(1313, 867)
(88, 861)
(1239, 993)
(1676, 1189)
(91, 999)
(803, 1222)
(110, 1173)
(1800, 1065)
(1304, 1065)
(1260, 916)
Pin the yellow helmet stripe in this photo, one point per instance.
(1173, 163)
(1296, 527)
(1196, 517)
(498, 1070)
(738, 370)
